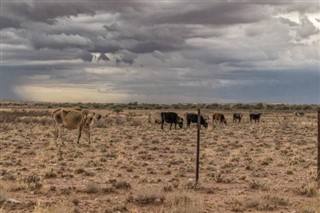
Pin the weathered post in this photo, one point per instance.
(318, 168)
(198, 148)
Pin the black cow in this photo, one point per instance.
(255, 117)
(171, 118)
(237, 116)
(219, 117)
(193, 118)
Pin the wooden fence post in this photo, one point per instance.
(198, 148)
(318, 167)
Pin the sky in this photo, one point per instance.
(161, 51)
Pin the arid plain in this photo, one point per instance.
(132, 166)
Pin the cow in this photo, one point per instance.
(193, 118)
(154, 118)
(171, 118)
(299, 114)
(80, 119)
(219, 117)
(237, 116)
(255, 117)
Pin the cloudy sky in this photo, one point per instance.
(160, 51)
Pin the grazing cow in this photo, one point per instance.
(193, 118)
(237, 116)
(219, 117)
(171, 118)
(299, 114)
(255, 117)
(80, 119)
(154, 118)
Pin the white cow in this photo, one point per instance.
(80, 119)
(154, 118)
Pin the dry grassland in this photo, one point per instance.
(132, 166)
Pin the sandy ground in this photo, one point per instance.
(132, 166)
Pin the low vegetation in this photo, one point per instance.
(134, 166)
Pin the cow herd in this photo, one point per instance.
(174, 118)
(83, 119)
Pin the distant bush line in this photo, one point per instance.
(141, 106)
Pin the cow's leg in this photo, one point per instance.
(162, 121)
(170, 125)
(89, 138)
(79, 135)
(55, 133)
(175, 126)
(59, 134)
(87, 131)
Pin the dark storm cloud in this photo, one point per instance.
(85, 56)
(49, 11)
(7, 22)
(231, 51)
(217, 14)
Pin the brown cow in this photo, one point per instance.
(219, 117)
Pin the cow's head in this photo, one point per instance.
(204, 121)
(92, 119)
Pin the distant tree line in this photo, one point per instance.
(118, 107)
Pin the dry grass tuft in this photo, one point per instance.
(60, 207)
(265, 202)
(311, 206)
(33, 182)
(92, 187)
(122, 185)
(256, 184)
(148, 195)
(184, 202)
(309, 189)
(3, 195)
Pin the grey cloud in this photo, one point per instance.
(48, 11)
(217, 13)
(85, 56)
(288, 22)
(103, 57)
(125, 56)
(61, 41)
(150, 46)
(7, 22)
(157, 54)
